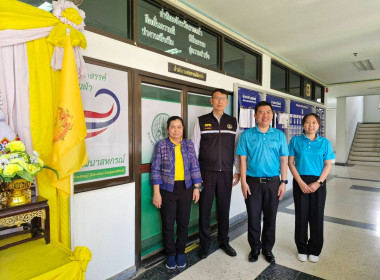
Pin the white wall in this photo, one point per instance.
(371, 108)
(354, 111)
(348, 113)
(104, 221)
(331, 121)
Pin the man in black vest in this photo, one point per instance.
(215, 138)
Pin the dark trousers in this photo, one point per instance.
(309, 210)
(175, 208)
(263, 199)
(219, 184)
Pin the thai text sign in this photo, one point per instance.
(186, 72)
(170, 33)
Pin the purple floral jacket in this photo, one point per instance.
(163, 169)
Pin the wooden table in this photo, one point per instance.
(24, 215)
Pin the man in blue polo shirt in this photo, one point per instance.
(263, 154)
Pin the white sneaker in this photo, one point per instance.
(313, 258)
(302, 257)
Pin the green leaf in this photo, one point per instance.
(25, 175)
(52, 169)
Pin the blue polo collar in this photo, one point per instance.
(257, 130)
(316, 139)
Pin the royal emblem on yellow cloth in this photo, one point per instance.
(62, 124)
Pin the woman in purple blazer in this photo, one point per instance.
(176, 179)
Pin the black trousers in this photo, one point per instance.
(175, 207)
(263, 199)
(309, 210)
(219, 184)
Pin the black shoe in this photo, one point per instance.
(203, 252)
(269, 257)
(253, 255)
(228, 249)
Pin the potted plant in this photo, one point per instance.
(17, 170)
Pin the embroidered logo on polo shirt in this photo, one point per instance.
(229, 126)
(208, 126)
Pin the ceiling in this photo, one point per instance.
(317, 37)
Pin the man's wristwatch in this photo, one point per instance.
(320, 182)
(284, 181)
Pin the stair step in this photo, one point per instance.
(365, 149)
(368, 136)
(354, 162)
(372, 159)
(372, 141)
(377, 133)
(363, 129)
(365, 154)
(366, 145)
(376, 125)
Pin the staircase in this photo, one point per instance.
(365, 149)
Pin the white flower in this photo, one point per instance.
(33, 159)
(36, 154)
(3, 162)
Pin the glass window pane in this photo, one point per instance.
(318, 94)
(110, 16)
(168, 32)
(278, 78)
(198, 105)
(308, 86)
(294, 84)
(240, 63)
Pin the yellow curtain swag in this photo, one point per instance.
(58, 35)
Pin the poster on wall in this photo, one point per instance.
(246, 103)
(297, 112)
(105, 104)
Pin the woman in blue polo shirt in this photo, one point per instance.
(310, 158)
(174, 171)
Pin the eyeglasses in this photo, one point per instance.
(220, 98)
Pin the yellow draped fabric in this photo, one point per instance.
(70, 126)
(44, 88)
(38, 261)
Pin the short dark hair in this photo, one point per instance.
(173, 118)
(311, 114)
(263, 103)
(222, 91)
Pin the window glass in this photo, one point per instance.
(168, 32)
(278, 78)
(110, 16)
(294, 84)
(318, 94)
(240, 63)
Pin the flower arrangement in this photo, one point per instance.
(18, 164)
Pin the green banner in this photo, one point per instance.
(99, 174)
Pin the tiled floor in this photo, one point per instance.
(352, 239)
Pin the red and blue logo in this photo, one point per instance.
(100, 122)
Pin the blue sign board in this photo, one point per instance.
(278, 103)
(298, 108)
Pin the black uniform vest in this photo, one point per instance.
(216, 151)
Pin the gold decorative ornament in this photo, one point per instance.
(18, 192)
(18, 220)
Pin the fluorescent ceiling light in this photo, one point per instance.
(364, 65)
